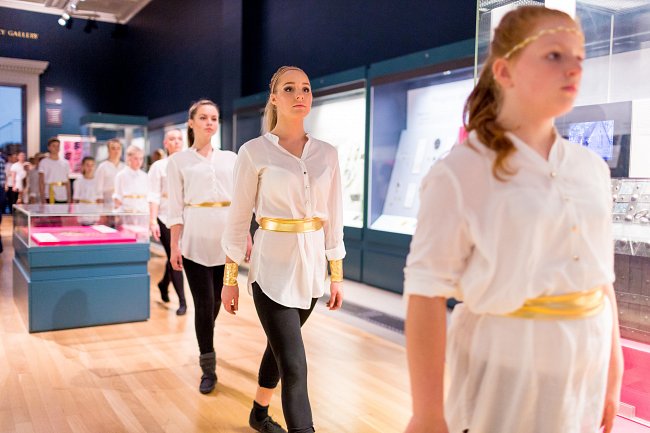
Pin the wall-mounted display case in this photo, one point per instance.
(612, 117)
(415, 118)
(247, 118)
(79, 265)
(100, 127)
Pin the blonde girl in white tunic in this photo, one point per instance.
(516, 222)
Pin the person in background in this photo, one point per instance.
(107, 170)
(54, 183)
(157, 155)
(158, 209)
(516, 222)
(85, 188)
(33, 192)
(18, 175)
(200, 191)
(10, 195)
(130, 192)
(292, 182)
(3, 181)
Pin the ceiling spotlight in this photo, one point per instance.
(62, 21)
(65, 16)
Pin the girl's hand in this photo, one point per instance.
(176, 259)
(336, 296)
(230, 298)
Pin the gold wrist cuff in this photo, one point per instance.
(336, 271)
(230, 274)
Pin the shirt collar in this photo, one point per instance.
(276, 141)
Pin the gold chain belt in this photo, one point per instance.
(291, 225)
(209, 204)
(51, 189)
(575, 305)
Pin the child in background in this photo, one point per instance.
(32, 179)
(131, 184)
(85, 188)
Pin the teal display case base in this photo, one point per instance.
(78, 286)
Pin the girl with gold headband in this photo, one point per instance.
(516, 222)
(292, 182)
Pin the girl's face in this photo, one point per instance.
(114, 150)
(135, 160)
(173, 141)
(205, 122)
(545, 76)
(292, 96)
(88, 168)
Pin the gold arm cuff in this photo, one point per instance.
(575, 305)
(209, 204)
(230, 274)
(336, 271)
(285, 225)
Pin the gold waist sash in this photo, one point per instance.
(575, 305)
(87, 201)
(209, 204)
(134, 196)
(291, 225)
(51, 189)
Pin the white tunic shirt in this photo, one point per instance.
(545, 231)
(131, 189)
(291, 268)
(105, 175)
(193, 179)
(158, 188)
(85, 190)
(20, 175)
(55, 171)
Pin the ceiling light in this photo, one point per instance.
(62, 21)
(65, 16)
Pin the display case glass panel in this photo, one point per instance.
(39, 225)
(247, 124)
(99, 128)
(340, 119)
(415, 122)
(611, 117)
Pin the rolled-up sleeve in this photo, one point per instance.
(441, 244)
(246, 179)
(333, 227)
(175, 192)
(155, 186)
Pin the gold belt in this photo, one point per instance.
(87, 201)
(51, 189)
(291, 225)
(209, 204)
(134, 196)
(575, 305)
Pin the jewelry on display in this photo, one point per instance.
(52, 185)
(541, 33)
(304, 225)
(209, 204)
(230, 274)
(336, 271)
(576, 305)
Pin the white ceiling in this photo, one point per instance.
(115, 11)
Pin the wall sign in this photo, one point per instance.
(10, 33)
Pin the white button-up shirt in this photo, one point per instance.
(105, 175)
(158, 188)
(193, 179)
(131, 189)
(55, 170)
(85, 190)
(291, 268)
(544, 231)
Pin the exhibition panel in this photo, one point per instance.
(80, 265)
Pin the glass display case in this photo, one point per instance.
(611, 116)
(416, 119)
(100, 127)
(40, 225)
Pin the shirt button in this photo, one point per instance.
(553, 174)
(574, 229)
(576, 258)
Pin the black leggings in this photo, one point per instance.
(205, 284)
(176, 277)
(285, 358)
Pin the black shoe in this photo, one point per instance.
(267, 425)
(181, 310)
(164, 294)
(208, 363)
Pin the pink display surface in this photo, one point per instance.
(79, 235)
(636, 378)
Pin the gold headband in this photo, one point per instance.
(541, 33)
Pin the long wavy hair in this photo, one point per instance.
(484, 103)
(270, 113)
(192, 112)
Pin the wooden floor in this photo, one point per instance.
(143, 377)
